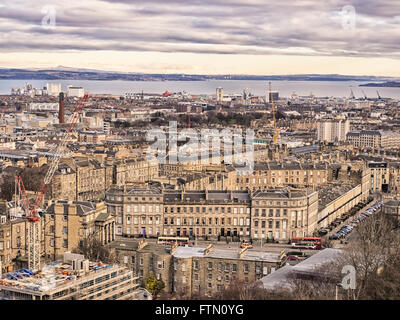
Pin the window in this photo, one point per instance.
(196, 265)
(65, 244)
(210, 266)
(234, 267)
(246, 268)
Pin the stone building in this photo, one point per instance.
(374, 139)
(92, 179)
(280, 215)
(210, 214)
(204, 271)
(63, 184)
(66, 223)
(279, 174)
(134, 170)
(380, 176)
(144, 258)
(12, 238)
(207, 214)
(82, 180)
(138, 211)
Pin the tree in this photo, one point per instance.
(32, 178)
(7, 188)
(153, 285)
(374, 252)
(93, 250)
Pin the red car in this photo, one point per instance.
(293, 258)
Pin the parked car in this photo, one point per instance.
(322, 232)
(246, 245)
(293, 258)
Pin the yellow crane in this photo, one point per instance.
(276, 130)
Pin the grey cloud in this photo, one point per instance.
(245, 27)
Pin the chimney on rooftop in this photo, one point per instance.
(61, 108)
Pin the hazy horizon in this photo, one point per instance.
(253, 37)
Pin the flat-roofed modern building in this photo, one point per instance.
(73, 278)
(333, 129)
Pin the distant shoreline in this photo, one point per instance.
(99, 75)
(382, 85)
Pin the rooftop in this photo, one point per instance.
(280, 279)
(51, 276)
(249, 255)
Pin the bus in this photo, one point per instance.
(313, 243)
(181, 241)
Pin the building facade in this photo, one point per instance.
(332, 129)
(204, 271)
(66, 223)
(213, 215)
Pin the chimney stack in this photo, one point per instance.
(61, 108)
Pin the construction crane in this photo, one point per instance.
(32, 210)
(352, 96)
(276, 131)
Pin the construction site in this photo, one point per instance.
(73, 278)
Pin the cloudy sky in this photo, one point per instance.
(204, 36)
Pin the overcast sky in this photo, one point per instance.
(204, 36)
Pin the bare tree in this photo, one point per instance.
(93, 250)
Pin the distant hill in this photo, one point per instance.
(68, 73)
(389, 84)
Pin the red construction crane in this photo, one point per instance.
(31, 211)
